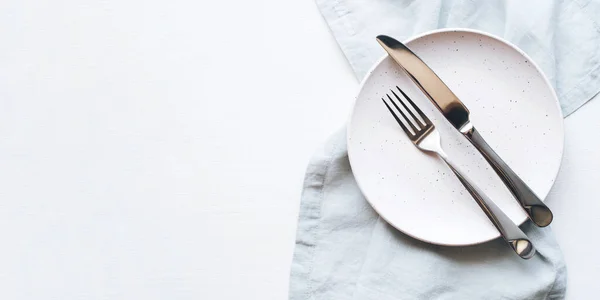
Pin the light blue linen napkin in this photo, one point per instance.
(562, 37)
(345, 251)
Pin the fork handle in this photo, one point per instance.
(511, 233)
(536, 210)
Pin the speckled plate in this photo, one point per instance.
(513, 106)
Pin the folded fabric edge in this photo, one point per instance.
(582, 90)
(308, 220)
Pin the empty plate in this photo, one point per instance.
(512, 104)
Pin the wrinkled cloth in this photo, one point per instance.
(344, 250)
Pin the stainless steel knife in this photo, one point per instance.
(458, 115)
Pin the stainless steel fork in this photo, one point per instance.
(425, 137)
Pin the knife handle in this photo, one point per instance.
(536, 210)
(511, 233)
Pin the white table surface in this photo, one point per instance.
(156, 149)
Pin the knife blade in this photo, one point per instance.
(458, 115)
(435, 89)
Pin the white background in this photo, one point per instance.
(156, 149)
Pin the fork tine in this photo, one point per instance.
(414, 128)
(420, 112)
(418, 122)
(397, 119)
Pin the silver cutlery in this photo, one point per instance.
(424, 136)
(458, 115)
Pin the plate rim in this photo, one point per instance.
(489, 35)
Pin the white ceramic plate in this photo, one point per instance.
(513, 106)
